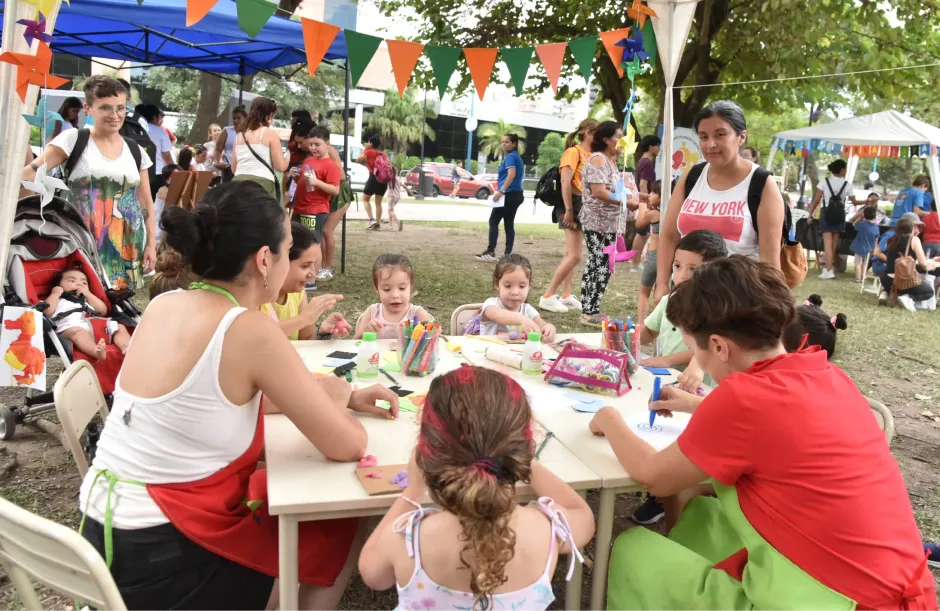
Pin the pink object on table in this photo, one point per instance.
(618, 253)
(374, 475)
(342, 324)
(368, 461)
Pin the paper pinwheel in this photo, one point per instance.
(640, 12)
(44, 185)
(33, 70)
(628, 143)
(44, 119)
(43, 7)
(35, 29)
(618, 253)
(632, 47)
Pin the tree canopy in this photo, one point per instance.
(491, 137)
(400, 121)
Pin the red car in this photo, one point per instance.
(470, 186)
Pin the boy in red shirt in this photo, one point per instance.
(318, 181)
(811, 509)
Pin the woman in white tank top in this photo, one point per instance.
(718, 201)
(174, 500)
(258, 150)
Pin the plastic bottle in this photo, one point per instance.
(532, 355)
(367, 366)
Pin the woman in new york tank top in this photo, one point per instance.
(718, 200)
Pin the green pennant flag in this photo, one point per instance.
(443, 63)
(649, 42)
(359, 50)
(583, 50)
(517, 60)
(253, 14)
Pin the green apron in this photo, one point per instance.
(649, 571)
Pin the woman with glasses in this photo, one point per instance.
(108, 185)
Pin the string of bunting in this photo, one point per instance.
(803, 147)
(404, 55)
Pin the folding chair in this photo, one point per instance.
(883, 416)
(462, 315)
(78, 398)
(869, 274)
(34, 548)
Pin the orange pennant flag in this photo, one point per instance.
(552, 56)
(481, 62)
(196, 10)
(610, 40)
(318, 37)
(33, 70)
(404, 55)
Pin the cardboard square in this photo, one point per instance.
(338, 354)
(382, 485)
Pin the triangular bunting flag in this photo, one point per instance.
(45, 7)
(610, 40)
(359, 49)
(404, 55)
(480, 62)
(196, 10)
(583, 50)
(649, 42)
(318, 37)
(253, 14)
(517, 60)
(443, 62)
(552, 56)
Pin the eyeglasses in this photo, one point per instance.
(112, 111)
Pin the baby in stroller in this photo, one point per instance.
(69, 301)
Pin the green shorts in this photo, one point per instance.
(343, 198)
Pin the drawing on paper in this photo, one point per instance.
(24, 360)
(649, 429)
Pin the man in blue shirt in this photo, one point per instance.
(911, 199)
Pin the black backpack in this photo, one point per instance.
(834, 210)
(133, 130)
(549, 188)
(754, 192)
(82, 142)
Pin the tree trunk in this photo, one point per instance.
(207, 109)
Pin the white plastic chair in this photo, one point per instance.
(870, 275)
(78, 398)
(462, 315)
(34, 548)
(883, 416)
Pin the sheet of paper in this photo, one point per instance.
(664, 431)
(494, 204)
(586, 403)
(658, 371)
(545, 399)
(404, 405)
(334, 363)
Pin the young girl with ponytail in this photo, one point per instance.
(480, 549)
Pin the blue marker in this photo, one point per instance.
(657, 387)
(629, 323)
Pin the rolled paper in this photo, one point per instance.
(505, 356)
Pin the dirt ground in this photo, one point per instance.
(891, 354)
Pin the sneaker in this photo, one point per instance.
(593, 320)
(857, 281)
(311, 286)
(324, 274)
(933, 554)
(487, 257)
(552, 304)
(907, 302)
(572, 303)
(650, 512)
(372, 225)
(827, 274)
(882, 297)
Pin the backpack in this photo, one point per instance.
(792, 258)
(131, 129)
(905, 271)
(383, 172)
(81, 143)
(548, 190)
(834, 210)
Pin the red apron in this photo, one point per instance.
(226, 513)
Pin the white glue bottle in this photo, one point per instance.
(532, 355)
(367, 366)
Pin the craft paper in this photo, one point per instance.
(33, 70)
(24, 356)
(359, 49)
(583, 49)
(44, 185)
(196, 10)
(318, 37)
(404, 405)
(35, 29)
(334, 363)
(45, 7)
(664, 432)
(658, 371)
(404, 55)
(585, 403)
(517, 61)
(443, 63)
(649, 41)
(610, 40)
(253, 15)
(552, 57)
(339, 354)
(640, 12)
(480, 63)
(544, 398)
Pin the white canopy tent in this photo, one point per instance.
(882, 129)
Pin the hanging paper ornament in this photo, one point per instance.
(33, 70)
(404, 55)
(610, 40)
(640, 12)
(552, 57)
(632, 48)
(443, 63)
(649, 42)
(253, 15)
(44, 119)
(35, 30)
(196, 10)
(517, 60)
(633, 68)
(318, 37)
(359, 51)
(583, 49)
(480, 62)
(44, 7)
(44, 185)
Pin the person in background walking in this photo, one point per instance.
(373, 186)
(750, 154)
(645, 177)
(567, 217)
(509, 183)
(455, 178)
(834, 187)
(258, 152)
(225, 144)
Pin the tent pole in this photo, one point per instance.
(241, 79)
(342, 246)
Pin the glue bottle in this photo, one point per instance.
(367, 366)
(532, 355)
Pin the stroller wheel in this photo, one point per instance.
(7, 423)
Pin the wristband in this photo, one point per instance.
(32, 164)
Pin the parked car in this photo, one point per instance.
(358, 174)
(470, 185)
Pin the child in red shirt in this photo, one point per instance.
(809, 499)
(318, 181)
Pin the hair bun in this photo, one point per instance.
(815, 300)
(842, 323)
(208, 219)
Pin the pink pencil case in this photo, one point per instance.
(594, 370)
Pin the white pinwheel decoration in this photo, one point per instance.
(44, 185)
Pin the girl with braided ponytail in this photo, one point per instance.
(480, 549)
